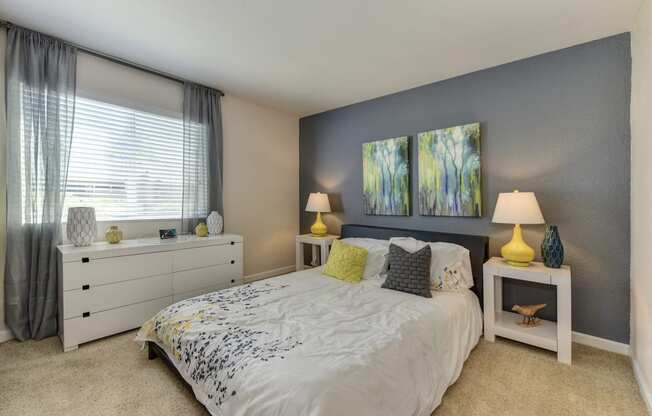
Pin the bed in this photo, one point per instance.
(307, 344)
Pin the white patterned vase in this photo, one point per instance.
(214, 223)
(81, 228)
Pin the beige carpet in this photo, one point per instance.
(113, 377)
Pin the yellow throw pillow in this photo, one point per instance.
(346, 262)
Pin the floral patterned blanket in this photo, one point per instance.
(305, 343)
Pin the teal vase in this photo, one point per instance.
(552, 250)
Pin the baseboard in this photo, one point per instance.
(646, 393)
(269, 273)
(601, 343)
(5, 335)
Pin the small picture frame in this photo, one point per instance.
(166, 234)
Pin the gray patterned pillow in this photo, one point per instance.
(409, 272)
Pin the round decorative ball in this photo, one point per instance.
(201, 230)
(215, 222)
(113, 234)
(81, 228)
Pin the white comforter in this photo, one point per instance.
(308, 344)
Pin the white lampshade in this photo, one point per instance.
(517, 208)
(318, 202)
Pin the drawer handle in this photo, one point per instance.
(86, 287)
(86, 314)
(85, 259)
(232, 261)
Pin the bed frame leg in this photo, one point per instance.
(151, 354)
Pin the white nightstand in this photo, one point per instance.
(324, 243)
(549, 335)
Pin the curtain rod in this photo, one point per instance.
(112, 58)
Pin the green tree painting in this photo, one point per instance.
(386, 177)
(449, 172)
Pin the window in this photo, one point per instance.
(125, 162)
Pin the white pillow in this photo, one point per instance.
(408, 244)
(376, 257)
(452, 256)
(451, 279)
(443, 255)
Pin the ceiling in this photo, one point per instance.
(308, 56)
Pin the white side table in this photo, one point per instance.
(549, 335)
(324, 243)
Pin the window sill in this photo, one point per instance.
(132, 228)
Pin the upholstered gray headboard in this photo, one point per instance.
(478, 245)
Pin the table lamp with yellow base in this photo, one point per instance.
(318, 202)
(517, 208)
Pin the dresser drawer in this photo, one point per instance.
(101, 298)
(102, 324)
(178, 297)
(196, 258)
(97, 272)
(213, 276)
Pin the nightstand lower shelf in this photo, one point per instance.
(548, 335)
(543, 336)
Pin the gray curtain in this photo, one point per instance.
(202, 155)
(40, 86)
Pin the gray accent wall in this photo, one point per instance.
(555, 124)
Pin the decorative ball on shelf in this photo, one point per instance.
(113, 234)
(81, 228)
(552, 249)
(215, 222)
(201, 230)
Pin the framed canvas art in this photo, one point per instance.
(386, 177)
(450, 176)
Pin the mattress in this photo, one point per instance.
(308, 344)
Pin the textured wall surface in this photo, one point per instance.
(555, 124)
(641, 273)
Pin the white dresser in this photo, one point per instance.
(109, 288)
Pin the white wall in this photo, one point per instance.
(641, 199)
(4, 332)
(261, 182)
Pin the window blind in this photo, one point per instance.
(126, 156)
(125, 162)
